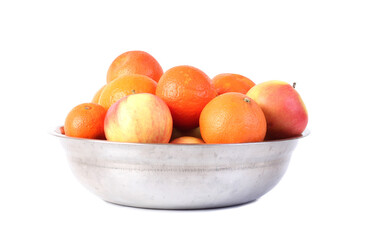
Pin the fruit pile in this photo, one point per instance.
(140, 103)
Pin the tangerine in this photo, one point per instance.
(186, 90)
(230, 82)
(126, 85)
(187, 140)
(86, 121)
(195, 132)
(97, 95)
(232, 118)
(134, 62)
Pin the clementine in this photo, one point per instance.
(62, 130)
(126, 85)
(232, 118)
(97, 95)
(187, 140)
(134, 62)
(230, 82)
(186, 90)
(86, 121)
(195, 132)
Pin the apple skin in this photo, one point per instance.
(139, 118)
(283, 108)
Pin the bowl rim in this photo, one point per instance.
(57, 133)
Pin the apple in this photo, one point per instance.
(139, 118)
(283, 108)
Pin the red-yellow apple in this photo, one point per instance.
(283, 108)
(139, 118)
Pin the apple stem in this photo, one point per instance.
(133, 91)
(246, 99)
(294, 84)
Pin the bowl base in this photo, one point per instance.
(184, 208)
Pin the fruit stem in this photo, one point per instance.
(294, 84)
(246, 99)
(133, 91)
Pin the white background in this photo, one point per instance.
(55, 54)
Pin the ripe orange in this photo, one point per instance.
(62, 130)
(86, 121)
(134, 62)
(187, 140)
(230, 82)
(195, 132)
(97, 95)
(232, 118)
(126, 85)
(186, 90)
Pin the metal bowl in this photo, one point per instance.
(178, 176)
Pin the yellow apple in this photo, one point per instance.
(139, 118)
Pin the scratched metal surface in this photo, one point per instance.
(178, 176)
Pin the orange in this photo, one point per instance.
(186, 90)
(187, 140)
(232, 118)
(86, 121)
(97, 95)
(62, 130)
(230, 82)
(176, 133)
(126, 85)
(134, 62)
